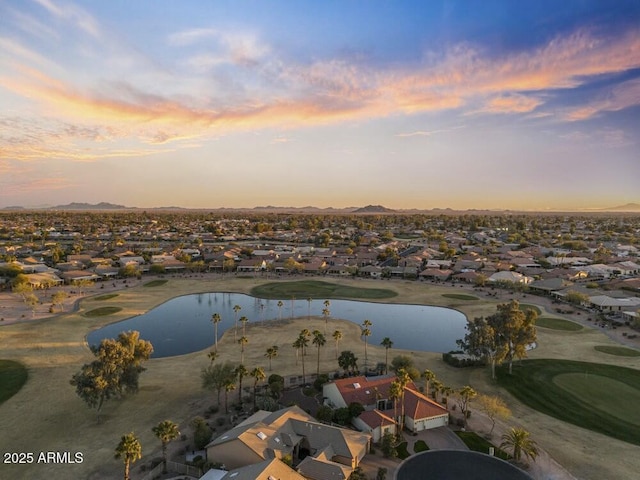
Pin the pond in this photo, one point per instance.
(183, 324)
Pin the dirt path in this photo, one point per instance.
(46, 415)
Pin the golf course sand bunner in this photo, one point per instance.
(46, 415)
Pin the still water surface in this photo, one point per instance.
(183, 324)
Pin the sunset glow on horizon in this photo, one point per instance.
(518, 105)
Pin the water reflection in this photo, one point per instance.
(183, 324)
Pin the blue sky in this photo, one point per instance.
(470, 104)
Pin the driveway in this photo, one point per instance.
(441, 438)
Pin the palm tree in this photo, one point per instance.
(387, 344)
(272, 352)
(394, 394)
(258, 375)
(242, 341)
(240, 372)
(318, 341)
(212, 355)
(437, 388)
(305, 333)
(165, 431)
(403, 381)
(309, 300)
(366, 333)
(518, 441)
(236, 309)
(244, 321)
(130, 450)
(429, 377)
(299, 344)
(337, 336)
(325, 313)
(280, 305)
(216, 319)
(229, 386)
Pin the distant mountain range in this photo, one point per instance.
(629, 207)
(369, 209)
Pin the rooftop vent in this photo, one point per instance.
(356, 385)
(261, 435)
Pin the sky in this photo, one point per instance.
(473, 104)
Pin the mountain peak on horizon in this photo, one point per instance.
(373, 209)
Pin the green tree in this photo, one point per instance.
(258, 376)
(216, 319)
(494, 408)
(271, 353)
(337, 336)
(129, 450)
(482, 341)
(515, 329)
(387, 344)
(389, 445)
(403, 380)
(348, 361)
(116, 370)
(215, 377)
(201, 433)
(520, 443)
(464, 396)
(229, 386)
(429, 377)
(58, 298)
(319, 341)
(366, 333)
(165, 431)
(241, 372)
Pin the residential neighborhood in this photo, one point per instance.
(554, 255)
(584, 268)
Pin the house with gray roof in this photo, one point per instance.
(318, 451)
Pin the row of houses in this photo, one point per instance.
(290, 443)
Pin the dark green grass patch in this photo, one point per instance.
(478, 444)
(317, 290)
(102, 311)
(420, 446)
(402, 450)
(108, 296)
(13, 376)
(528, 306)
(558, 324)
(619, 351)
(155, 283)
(581, 393)
(459, 296)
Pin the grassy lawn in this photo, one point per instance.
(108, 296)
(13, 376)
(402, 451)
(102, 311)
(619, 351)
(478, 444)
(598, 397)
(558, 324)
(460, 296)
(155, 283)
(528, 306)
(420, 446)
(318, 290)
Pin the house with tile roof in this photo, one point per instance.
(318, 451)
(420, 412)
